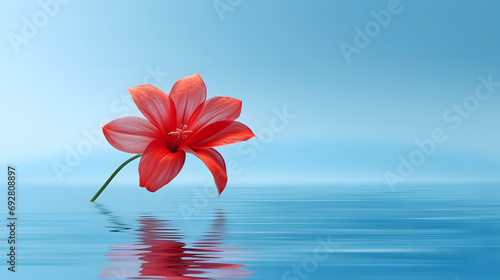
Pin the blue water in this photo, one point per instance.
(266, 232)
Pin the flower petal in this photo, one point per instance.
(219, 134)
(187, 94)
(130, 134)
(159, 166)
(156, 106)
(215, 163)
(215, 109)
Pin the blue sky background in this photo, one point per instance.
(352, 120)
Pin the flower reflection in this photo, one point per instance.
(160, 253)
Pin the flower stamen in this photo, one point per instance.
(180, 135)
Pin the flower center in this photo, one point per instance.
(180, 134)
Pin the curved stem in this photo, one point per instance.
(113, 176)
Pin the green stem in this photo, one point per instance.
(113, 176)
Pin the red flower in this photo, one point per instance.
(176, 123)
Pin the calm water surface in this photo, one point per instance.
(267, 232)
